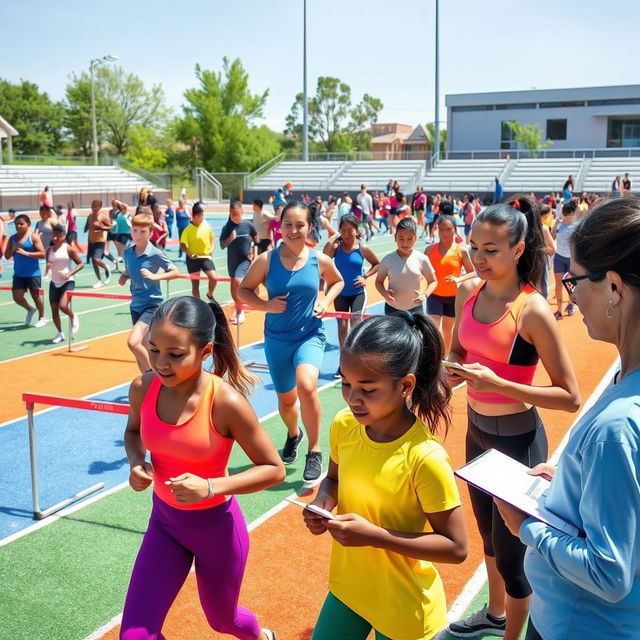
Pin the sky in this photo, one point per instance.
(381, 47)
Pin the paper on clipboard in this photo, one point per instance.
(312, 507)
(507, 479)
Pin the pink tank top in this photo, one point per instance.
(194, 446)
(498, 345)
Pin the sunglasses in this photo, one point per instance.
(569, 280)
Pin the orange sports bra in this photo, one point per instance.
(193, 446)
(449, 264)
(498, 345)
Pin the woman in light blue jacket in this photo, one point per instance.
(589, 586)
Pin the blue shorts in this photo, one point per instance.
(561, 264)
(144, 315)
(239, 271)
(283, 358)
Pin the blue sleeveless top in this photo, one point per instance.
(24, 266)
(302, 287)
(350, 265)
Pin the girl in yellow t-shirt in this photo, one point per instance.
(391, 480)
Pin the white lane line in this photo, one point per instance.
(472, 588)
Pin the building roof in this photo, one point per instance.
(6, 129)
(418, 135)
(386, 138)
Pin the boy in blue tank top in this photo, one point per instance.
(294, 335)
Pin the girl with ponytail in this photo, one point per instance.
(503, 328)
(188, 419)
(392, 483)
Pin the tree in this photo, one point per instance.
(145, 149)
(36, 117)
(528, 135)
(221, 112)
(334, 125)
(431, 134)
(122, 103)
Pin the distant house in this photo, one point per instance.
(395, 141)
(6, 131)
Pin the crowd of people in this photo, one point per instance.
(472, 309)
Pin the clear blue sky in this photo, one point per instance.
(380, 47)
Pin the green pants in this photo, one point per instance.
(338, 622)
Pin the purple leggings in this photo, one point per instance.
(218, 540)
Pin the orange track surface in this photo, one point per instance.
(286, 578)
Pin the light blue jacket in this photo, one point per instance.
(589, 586)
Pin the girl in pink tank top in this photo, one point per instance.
(503, 327)
(187, 419)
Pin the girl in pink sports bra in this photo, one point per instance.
(503, 328)
(188, 419)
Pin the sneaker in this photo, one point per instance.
(558, 315)
(270, 633)
(98, 285)
(41, 322)
(107, 276)
(477, 623)
(29, 317)
(59, 337)
(75, 325)
(290, 449)
(313, 466)
(570, 310)
(238, 318)
(337, 375)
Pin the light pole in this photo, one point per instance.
(435, 152)
(94, 127)
(305, 103)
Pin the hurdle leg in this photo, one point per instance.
(34, 463)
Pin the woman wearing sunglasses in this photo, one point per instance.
(589, 586)
(504, 327)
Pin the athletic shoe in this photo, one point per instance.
(558, 315)
(29, 317)
(270, 633)
(107, 276)
(41, 322)
(238, 318)
(478, 623)
(59, 337)
(75, 325)
(290, 449)
(313, 466)
(570, 310)
(337, 375)
(98, 285)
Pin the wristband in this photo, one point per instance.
(211, 488)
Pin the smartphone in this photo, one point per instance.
(453, 365)
(312, 507)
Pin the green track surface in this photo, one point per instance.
(70, 578)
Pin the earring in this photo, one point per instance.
(609, 311)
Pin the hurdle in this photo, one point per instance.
(191, 276)
(30, 399)
(5, 288)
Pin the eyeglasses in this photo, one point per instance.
(569, 280)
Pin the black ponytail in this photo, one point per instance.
(208, 323)
(522, 217)
(406, 344)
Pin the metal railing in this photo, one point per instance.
(357, 156)
(160, 180)
(232, 183)
(525, 154)
(208, 187)
(263, 168)
(44, 159)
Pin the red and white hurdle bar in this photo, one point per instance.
(30, 399)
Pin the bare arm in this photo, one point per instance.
(372, 259)
(330, 274)
(254, 277)
(141, 472)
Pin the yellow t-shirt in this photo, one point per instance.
(394, 485)
(198, 240)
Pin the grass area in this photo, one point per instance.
(70, 578)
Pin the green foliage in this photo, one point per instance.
(528, 135)
(334, 125)
(31, 112)
(122, 103)
(144, 149)
(430, 128)
(220, 113)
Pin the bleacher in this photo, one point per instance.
(541, 174)
(302, 175)
(457, 176)
(20, 185)
(602, 172)
(375, 175)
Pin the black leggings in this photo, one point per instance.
(529, 448)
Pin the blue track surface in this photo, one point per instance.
(77, 449)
